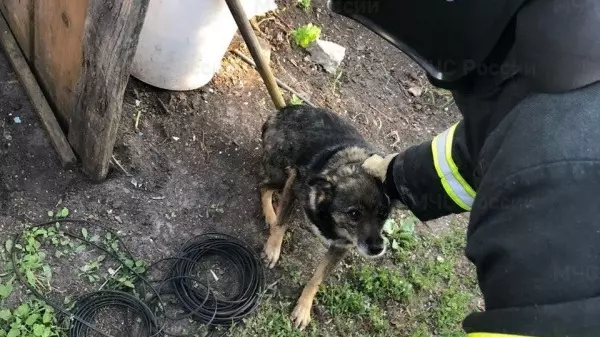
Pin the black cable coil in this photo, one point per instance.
(89, 305)
(200, 300)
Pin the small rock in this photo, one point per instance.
(440, 259)
(279, 37)
(328, 54)
(415, 91)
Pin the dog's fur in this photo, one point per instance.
(315, 157)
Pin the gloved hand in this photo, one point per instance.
(377, 166)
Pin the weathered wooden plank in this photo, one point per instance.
(57, 137)
(58, 35)
(19, 15)
(109, 44)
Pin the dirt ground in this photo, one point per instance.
(194, 157)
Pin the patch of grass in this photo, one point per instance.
(451, 310)
(306, 34)
(433, 266)
(379, 283)
(343, 299)
(273, 320)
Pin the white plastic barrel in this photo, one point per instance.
(182, 42)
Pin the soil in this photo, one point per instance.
(193, 158)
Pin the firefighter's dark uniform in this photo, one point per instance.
(525, 158)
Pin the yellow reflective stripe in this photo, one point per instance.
(454, 184)
(452, 164)
(491, 334)
(447, 188)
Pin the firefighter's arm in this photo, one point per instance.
(432, 179)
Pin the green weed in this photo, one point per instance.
(30, 319)
(32, 263)
(296, 100)
(304, 4)
(306, 34)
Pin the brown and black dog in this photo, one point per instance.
(315, 157)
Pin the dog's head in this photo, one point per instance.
(353, 205)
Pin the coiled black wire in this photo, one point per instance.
(201, 301)
(196, 297)
(89, 305)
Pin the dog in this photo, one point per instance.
(315, 157)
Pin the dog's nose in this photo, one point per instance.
(375, 246)
(376, 249)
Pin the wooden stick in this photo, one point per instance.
(281, 83)
(34, 92)
(252, 42)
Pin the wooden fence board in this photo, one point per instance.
(19, 14)
(59, 29)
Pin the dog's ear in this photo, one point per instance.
(321, 191)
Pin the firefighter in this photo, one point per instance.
(524, 160)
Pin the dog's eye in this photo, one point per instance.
(354, 214)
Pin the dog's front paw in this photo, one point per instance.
(272, 250)
(301, 315)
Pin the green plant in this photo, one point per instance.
(306, 34)
(63, 213)
(336, 80)
(296, 100)
(90, 270)
(401, 235)
(31, 319)
(6, 290)
(304, 4)
(32, 262)
(123, 277)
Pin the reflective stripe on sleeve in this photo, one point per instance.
(454, 184)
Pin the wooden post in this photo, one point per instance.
(110, 39)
